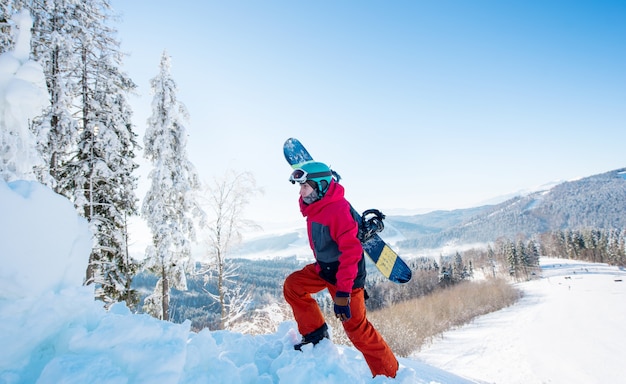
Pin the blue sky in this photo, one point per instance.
(417, 104)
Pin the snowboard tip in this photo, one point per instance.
(291, 142)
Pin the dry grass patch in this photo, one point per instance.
(409, 325)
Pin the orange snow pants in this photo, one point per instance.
(298, 289)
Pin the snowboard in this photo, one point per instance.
(386, 259)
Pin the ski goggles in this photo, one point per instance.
(301, 176)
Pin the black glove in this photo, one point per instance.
(342, 306)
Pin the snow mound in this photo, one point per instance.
(45, 246)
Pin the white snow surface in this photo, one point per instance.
(567, 329)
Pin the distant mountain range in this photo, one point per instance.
(597, 201)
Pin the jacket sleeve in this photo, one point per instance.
(344, 232)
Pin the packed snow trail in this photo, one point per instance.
(568, 328)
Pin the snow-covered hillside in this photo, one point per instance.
(53, 331)
(567, 329)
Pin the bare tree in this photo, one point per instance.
(224, 202)
(265, 320)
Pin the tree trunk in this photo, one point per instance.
(165, 295)
(220, 290)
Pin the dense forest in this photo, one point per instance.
(578, 220)
(515, 260)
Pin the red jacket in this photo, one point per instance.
(333, 238)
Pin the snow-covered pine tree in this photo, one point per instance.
(86, 136)
(458, 268)
(6, 11)
(23, 96)
(107, 194)
(491, 256)
(169, 206)
(53, 45)
(101, 172)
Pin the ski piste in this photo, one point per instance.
(386, 259)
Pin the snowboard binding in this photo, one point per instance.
(371, 224)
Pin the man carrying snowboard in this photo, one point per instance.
(339, 267)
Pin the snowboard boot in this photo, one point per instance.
(313, 337)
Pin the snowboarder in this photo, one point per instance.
(339, 267)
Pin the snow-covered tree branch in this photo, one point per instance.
(225, 200)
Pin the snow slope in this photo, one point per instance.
(568, 328)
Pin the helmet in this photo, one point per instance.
(316, 173)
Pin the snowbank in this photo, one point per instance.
(45, 245)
